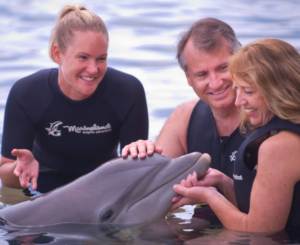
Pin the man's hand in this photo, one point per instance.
(141, 148)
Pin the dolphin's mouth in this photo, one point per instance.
(166, 182)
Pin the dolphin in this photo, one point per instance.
(121, 191)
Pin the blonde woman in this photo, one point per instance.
(62, 123)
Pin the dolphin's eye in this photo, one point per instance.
(107, 215)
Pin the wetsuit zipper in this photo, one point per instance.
(223, 164)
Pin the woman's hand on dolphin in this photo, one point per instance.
(191, 196)
(141, 148)
(27, 168)
(212, 177)
(191, 180)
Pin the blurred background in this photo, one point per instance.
(143, 38)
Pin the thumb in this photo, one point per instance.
(22, 154)
(15, 152)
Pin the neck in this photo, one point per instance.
(226, 121)
(67, 88)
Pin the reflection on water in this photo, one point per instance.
(171, 231)
(143, 37)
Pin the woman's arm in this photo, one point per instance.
(227, 213)
(18, 132)
(19, 173)
(213, 178)
(7, 168)
(272, 192)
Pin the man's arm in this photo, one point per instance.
(173, 136)
(172, 140)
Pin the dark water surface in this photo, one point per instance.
(143, 36)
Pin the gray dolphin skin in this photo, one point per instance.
(121, 191)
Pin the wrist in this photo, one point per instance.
(224, 182)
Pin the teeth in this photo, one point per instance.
(249, 110)
(219, 91)
(88, 78)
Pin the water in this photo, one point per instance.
(143, 37)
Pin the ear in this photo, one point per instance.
(188, 78)
(56, 54)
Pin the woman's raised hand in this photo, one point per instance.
(27, 168)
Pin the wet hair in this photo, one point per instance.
(71, 19)
(273, 67)
(208, 35)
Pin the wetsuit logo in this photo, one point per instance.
(237, 177)
(233, 156)
(53, 129)
(95, 129)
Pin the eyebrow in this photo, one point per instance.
(246, 87)
(86, 54)
(223, 64)
(199, 72)
(204, 71)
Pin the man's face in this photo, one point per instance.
(209, 76)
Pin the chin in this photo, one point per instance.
(255, 123)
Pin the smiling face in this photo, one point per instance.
(251, 100)
(83, 65)
(209, 76)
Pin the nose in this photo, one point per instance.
(239, 100)
(92, 67)
(215, 81)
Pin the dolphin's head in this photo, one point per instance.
(140, 190)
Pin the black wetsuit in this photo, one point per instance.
(202, 136)
(245, 168)
(70, 138)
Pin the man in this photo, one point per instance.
(208, 125)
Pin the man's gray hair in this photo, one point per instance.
(208, 35)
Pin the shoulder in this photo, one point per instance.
(281, 153)
(122, 86)
(179, 119)
(173, 135)
(123, 92)
(32, 83)
(185, 109)
(32, 94)
(121, 80)
(285, 140)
